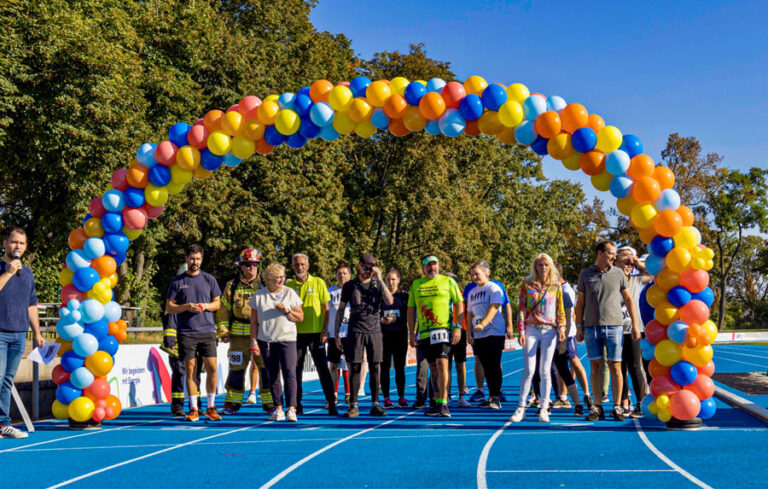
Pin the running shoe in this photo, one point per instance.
(291, 415)
(432, 411)
(212, 414)
(227, 411)
(494, 403)
(627, 409)
(376, 410)
(618, 413)
(543, 416)
(536, 402)
(588, 401)
(352, 412)
(193, 415)
(478, 396)
(402, 403)
(333, 411)
(484, 404)
(605, 398)
(578, 410)
(388, 403)
(596, 414)
(463, 403)
(277, 414)
(178, 413)
(299, 409)
(636, 413)
(443, 411)
(8, 431)
(251, 398)
(561, 404)
(518, 416)
(466, 390)
(418, 405)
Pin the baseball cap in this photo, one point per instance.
(429, 259)
(367, 259)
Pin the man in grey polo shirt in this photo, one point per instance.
(599, 321)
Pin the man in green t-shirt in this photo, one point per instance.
(313, 330)
(432, 331)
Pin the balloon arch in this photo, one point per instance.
(679, 333)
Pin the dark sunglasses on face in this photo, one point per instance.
(250, 264)
(366, 269)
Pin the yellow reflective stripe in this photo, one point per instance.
(169, 332)
(177, 395)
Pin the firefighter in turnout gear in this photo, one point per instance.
(233, 322)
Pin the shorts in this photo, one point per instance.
(610, 337)
(334, 354)
(459, 350)
(202, 343)
(433, 352)
(357, 344)
(570, 348)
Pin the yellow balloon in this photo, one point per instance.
(100, 363)
(339, 98)
(653, 408)
(378, 92)
(232, 123)
(711, 330)
(413, 119)
(201, 173)
(267, 112)
(643, 215)
(518, 92)
(475, 85)
(698, 356)
(64, 348)
(624, 204)
(664, 415)
(655, 295)
(242, 147)
(511, 113)
(113, 280)
(688, 237)
(132, 233)
(59, 410)
(175, 188)
(678, 259)
(559, 147)
(271, 98)
(609, 139)
(668, 353)
(666, 279)
(155, 196)
(489, 123)
(81, 409)
(218, 144)
(93, 228)
(188, 157)
(65, 276)
(666, 313)
(253, 129)
(181, 176)
(360, 110)
(397, 85)
(662, 401)
(365, 129)
(287, 122)
(602, 181)
(707, 253)
(423, 82)
(343, 123)
(572, 162)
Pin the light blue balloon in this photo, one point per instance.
(677, 331)
(68, 329)
(654, 264)
(77, 259)
(94, 248)
(645, 405)
(435, 85)
(321, 114)
(649, 354)
(525, 132)
(146, 154)
(617, 162)
(532, 107)
(112, 311)
(380, 119)
(91, 310)
(81, 378)
(432, 127)
(285, 100)
(668, 200)
(451, 123)
(621, 186)
(113, 200)
(231, 160)
(556, 103)
(85, 345)
(328, 132)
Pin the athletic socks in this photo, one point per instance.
(193, 403)
(211, 399)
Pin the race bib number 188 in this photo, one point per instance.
(438, 336)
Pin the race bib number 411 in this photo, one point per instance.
(437, 336)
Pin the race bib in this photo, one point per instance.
(236, 358)
(437, 336)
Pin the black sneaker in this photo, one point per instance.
(432, 411)
(588, 401)
(352, 412)
(178, 413)
(443, 411)
(299, 409)
(578, 410)
(332, 411)
(418, 405)
(596, 414)
(636, 413)
(618, 413)
(485, 404)
(377, 411)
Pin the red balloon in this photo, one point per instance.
(703, 387)
(135, 218)
(100, 403)
(684, 405)
(59, 375)
(655, 332)
(707, 369)
(118, 179)
(70, 292)
(99, 389)
(198, 137)
(153, 211)
(165, 153)
(248, 106)
(695, 312)
(98, 414)
(96, 207)
(453, 92)
(109, 413)
(694, 280)
(658, 370)
(663, 385)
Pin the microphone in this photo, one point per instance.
(16, 256)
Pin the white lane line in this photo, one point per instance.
(576, 471)
(728, 359)
(89, 433)
(740, 353)
(309, 457)
(666, 460)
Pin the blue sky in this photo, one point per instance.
(649, 68)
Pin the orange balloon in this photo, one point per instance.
(647, 234)
(472, 129)
(396, 126)
(507, 136)
(263, 148)
(592, 162)
(595, 122)
(77, 239)
(664, 176)
(559, 147)
(137, 176)
(104, 265)
(548, 124)
(655, 295)
(640, 166)
(114, 328)
(658, 370)
(646, 190)
(625, 205)
(395, 106)
(319, 90)
(687, 214)
(668, 223)
(212, 120)
(113, 406)
(413, 119)
(432, 105)
(574, 116)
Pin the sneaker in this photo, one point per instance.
(502, 397)
(332, 411)
(432, 411)
(463, 403)
(277, 414)
(518, 416)
(494, 403)
(596, 414)
(192, 416)
(543, 416)
(299, 409)
(588, 401)
(618, 413)
(561, 404)
(402, 403)
(466, 390)
(376, 410)
(536, 402)
(627, 409)
(352, 412)
(485, 404)
(636, 413)
(443, 411)
(605, 398)
(212, 414)
(478, 396)
(418, 405)
(291, 415)
(227, 411)
(578, 410)
(7, 431)
(251, 398)
(178, 413)
(388, 404)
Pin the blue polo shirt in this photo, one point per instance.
(15, 299)
(200, 288)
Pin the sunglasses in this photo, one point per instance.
(366, 269)
(250, 264)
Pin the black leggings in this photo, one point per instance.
(395, 351)
(563, 368)
(311, 342)
(536, 382)
(374, 377)
(632, 361)
(281, 357)
(489, 350)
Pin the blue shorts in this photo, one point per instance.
(610, 337)
(570, 345)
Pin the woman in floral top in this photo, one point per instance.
(541, 323)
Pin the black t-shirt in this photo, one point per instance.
(200, 288)
(399, 309)
(364, 302)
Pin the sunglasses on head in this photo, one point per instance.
(250, 264)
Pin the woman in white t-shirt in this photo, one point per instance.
(275, 310)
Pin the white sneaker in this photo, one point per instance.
(251, 398)
(278, 414)
(544, 415)
(518, 416)
(291, 416)
(11, 432)
(463, 403)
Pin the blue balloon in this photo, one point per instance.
(525, 133)
(707, 296)
(285, 100)
(81, 378)
(231, 160)
(119, 259)
(108, 344)
(303, 91)
(177, 134)
(380, 119)
(87, 216)
(308, 129)
(273, 137)
(539, 146)
(77, 259)
(413, 93)
(358, 85)
(584, 139)
(134, 197)
(646, 310)
(648, 354)
(209, 161)
(708, 408)
(296, 141)
(677, 331)
(617, 162)
(632, 145)
(534, 106)
(113, 200)
(112, 311)
(432, 128)
(160, 175)
(71, 361)
(93, 248)
(621, 186)
(683, 373)
(471, 107)
(645, 404)
(668, 200)
(112, 222)
(85, 345)
(99, 329)
(661, 246)
(494, 96)
(452, 123)
(116, 243)
(67, 392)
(321, 114)
(654, 264)
(678, 296)
(302, 104)
(84, 278)
(329, 133)
(556, 103)
(146, 154)
(435, 85)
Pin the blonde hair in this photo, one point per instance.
(552, 278)
(272, 270)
